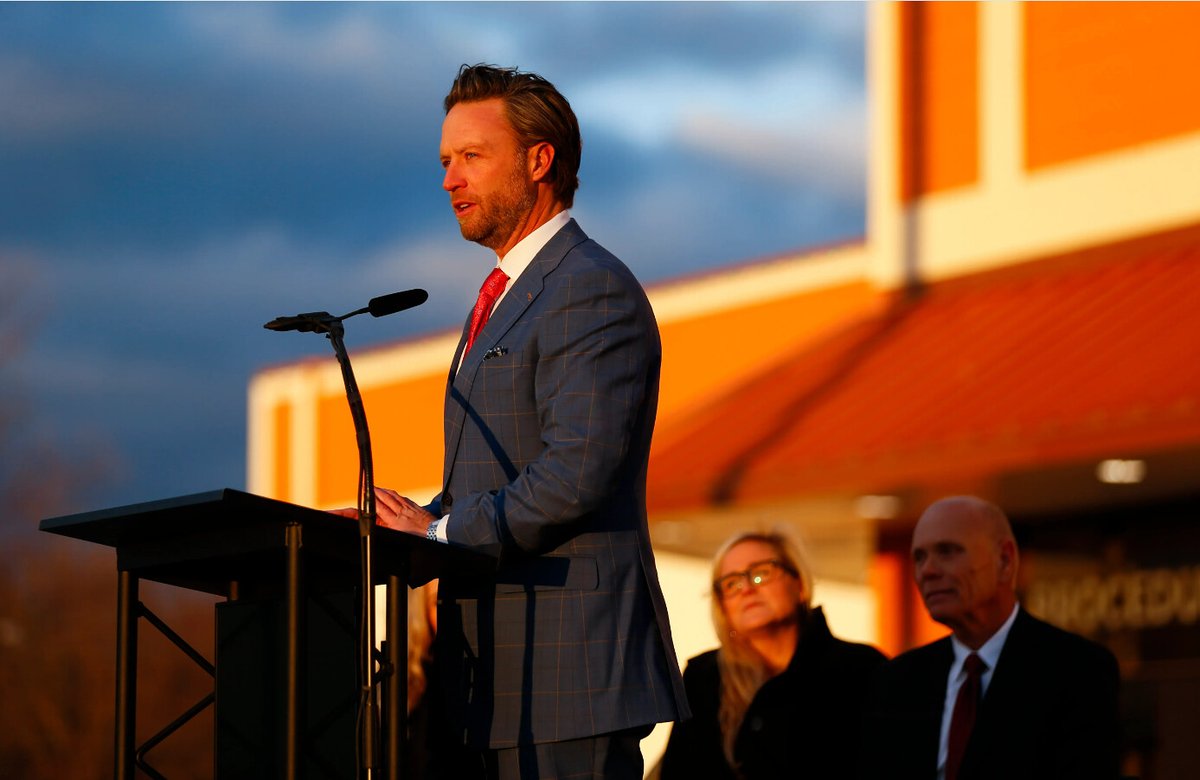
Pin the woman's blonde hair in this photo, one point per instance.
(422, 606)
(743, 671)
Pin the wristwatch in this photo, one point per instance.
(431, 531)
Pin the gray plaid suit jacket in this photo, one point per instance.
(547, 434)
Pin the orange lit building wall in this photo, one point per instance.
(1104, 76)
(903, 621)
(702, 355)
(886, 579)
(939, 97)
(405, 421)
(282, 422)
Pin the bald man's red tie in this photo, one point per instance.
(963, 718)
(492, 287)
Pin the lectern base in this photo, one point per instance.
(251, 688)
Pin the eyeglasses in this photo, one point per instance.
(754, 576)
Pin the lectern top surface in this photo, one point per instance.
(205, 540)
(216, 509)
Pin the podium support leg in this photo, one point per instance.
(396, 688)
(127, 645)
(294, 629)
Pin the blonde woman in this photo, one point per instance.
(781, 697)
(422, 749)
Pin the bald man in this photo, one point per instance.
(1006, 695)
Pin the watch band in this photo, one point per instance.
(431, 531)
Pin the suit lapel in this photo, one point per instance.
(452, 414)
(516, 302)
(1004, 698)
(1007, 698)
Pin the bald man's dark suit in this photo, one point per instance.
(547, 433)
(1050, 711)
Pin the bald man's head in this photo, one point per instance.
(965, 563)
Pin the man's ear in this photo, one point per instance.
(1008, 560)
(540, 159)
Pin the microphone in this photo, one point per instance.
(322, 321)
(397, 301)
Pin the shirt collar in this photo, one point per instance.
(988, 652)
(521, 255)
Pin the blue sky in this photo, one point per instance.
(173, 175)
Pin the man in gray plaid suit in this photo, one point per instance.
(559, 663)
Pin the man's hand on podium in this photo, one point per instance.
(394, 511)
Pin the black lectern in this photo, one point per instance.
(278, 566)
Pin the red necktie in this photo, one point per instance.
(963, 719)
(488, 293)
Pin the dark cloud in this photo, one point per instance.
(621, 37)
(176, 174)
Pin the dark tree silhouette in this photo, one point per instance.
(58, 607)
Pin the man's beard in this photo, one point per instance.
(499, 215)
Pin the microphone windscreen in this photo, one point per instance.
(397, 301)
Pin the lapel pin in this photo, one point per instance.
(495, 352)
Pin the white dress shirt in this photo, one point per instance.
(989, 653)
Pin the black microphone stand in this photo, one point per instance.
(368, 711)
(368, 736)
